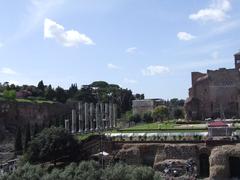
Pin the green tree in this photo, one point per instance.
(9, 94)
(61, 95)
(72, 90)
(36, 129)
(27, 136)
(136, 118)
(86, 95)
(178, 113)
(18, 141)
(160, 113)
(50, 93)
(51, 144)
(41, 86)
(147, 117)
(99, 84)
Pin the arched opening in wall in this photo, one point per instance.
(204, 165)
(234, 164)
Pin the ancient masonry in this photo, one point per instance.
(144, 105)
(90, 117)
(215, 94)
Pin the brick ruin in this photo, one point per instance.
(215, 94)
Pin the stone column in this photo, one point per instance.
(97, 116)
(101, 116)
(80, 117)
(106, 116)
(110, 115)
(67, 124)
(86, 117)
(74, 121)
(91, 116)
(114, 115)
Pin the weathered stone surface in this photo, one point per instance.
(129, 155)
(214, 94)
(161, 166)
(218, 172)
(20, 113)
(152, 154)
(219, 160)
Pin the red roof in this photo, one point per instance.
(217, 124)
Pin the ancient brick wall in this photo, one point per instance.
(215, 94)
(19, 113)
(142, 106)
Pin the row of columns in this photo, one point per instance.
(89, 117)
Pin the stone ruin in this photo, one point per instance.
(90, 117)
(215, 94)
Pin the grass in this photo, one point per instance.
(166, 127)
(39, 101)
(34, 101)
(161, 130)
(82, 137)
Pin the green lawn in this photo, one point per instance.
(161, 130)
(82, 137)
(166, 126)
(33, 101)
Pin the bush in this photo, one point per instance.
(178, 113)
(147, 117)
(28, 172)
(136, 118)
(87, 170)
(9, 94)
(160, 113)
(51, 144)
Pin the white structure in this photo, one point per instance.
(90, 117)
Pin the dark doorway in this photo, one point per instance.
(234, 164)
(204, 165)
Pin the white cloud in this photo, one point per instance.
(184, 36)
(69, 38)
(7, 71)
(217, 11)
(36, 11)
(129, 81)
(154, 70)
(1, 44)
(112, 66)
(131, 50)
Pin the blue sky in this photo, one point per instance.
(149, 46)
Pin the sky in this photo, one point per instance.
(150, 47)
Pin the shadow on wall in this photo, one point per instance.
(204, 165)
(234, 164)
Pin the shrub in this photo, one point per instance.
(51, 144)
(147, 117)
(9, 94)
(136, 118)
(160, 113)
(178, 113)
(86, 170)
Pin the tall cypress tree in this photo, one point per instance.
(36, 129)
(18, 142)
(27, 136)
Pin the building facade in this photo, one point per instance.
(145, 105)
(215, 94)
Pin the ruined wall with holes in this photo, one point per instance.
(215, 94)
